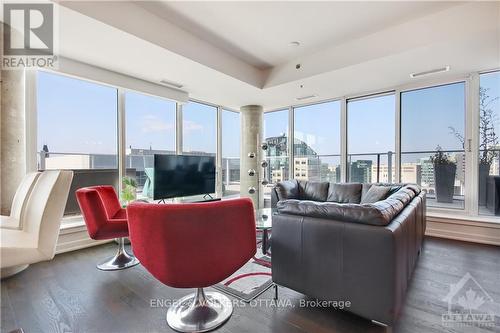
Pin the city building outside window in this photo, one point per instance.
(276, 136)
(371, 139)
(317, 141)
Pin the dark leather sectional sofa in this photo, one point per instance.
(329, 244)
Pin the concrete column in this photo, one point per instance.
(12, 135)
(251, 137)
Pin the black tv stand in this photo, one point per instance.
(210, 199)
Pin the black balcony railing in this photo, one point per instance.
(362, 167)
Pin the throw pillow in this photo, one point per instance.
(375, 193)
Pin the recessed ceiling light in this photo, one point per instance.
(305, 97)
(171, 84)
(429, 72)
(294, 43)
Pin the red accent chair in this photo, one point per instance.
(194, 245)
(106, 219)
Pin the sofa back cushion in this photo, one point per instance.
(393, 188)
(288, 189)
(375, 193)
(379, 213)
(313, 191)
(366, 214)
(344, 193)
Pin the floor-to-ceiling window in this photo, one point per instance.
(489, 143)
(317, 142)
(77, 129)
(149, 130)
(432, 142)
(371, 139)
(199, 129)
(230, 152)
(276, 137)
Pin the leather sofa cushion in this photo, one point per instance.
(373, 214)
(375, 193)
(379, 213)
(288, 189)
(314, 191)
(393, 188)
(344, 193)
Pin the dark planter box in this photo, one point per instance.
(493, 203)
(484, 171)
(444, 179)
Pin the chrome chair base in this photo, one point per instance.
(121, 260)
(199, 312)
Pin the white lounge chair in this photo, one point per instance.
(39, 222)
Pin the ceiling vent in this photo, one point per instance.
(171, 84)
(429, 72)
(305, 97)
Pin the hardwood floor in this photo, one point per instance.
(69, 294)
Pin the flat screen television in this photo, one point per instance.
(183, 175)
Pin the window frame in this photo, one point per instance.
(367, 97)
(471, 133)
(31, 128)
(220, 156)
(471, 80)
(291, 133)
(467, 209)
(290, 137)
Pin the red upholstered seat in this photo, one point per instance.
(106, 219)
(101, 210)
(193, 245)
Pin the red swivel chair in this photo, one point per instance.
(106, 219)
(194, 246)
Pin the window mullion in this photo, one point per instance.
(121, 137)
(178, 129)
(343, 140)
(218, 154)
(472, 145)
(397, 117)
(291, 153)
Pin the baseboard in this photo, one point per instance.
(464, 230)
(75, 238)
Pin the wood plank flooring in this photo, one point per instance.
(68, 294)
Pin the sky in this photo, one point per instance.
(150, 122)
(79, 116)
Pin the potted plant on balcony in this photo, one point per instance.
(444, 175)
(488, 140)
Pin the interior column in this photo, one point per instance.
(251, 138)
(12, 135)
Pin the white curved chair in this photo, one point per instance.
(40, 220)
(13, 221)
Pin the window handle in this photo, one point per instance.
(469, 144)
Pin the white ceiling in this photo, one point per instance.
(259, 33)
(237, 53)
